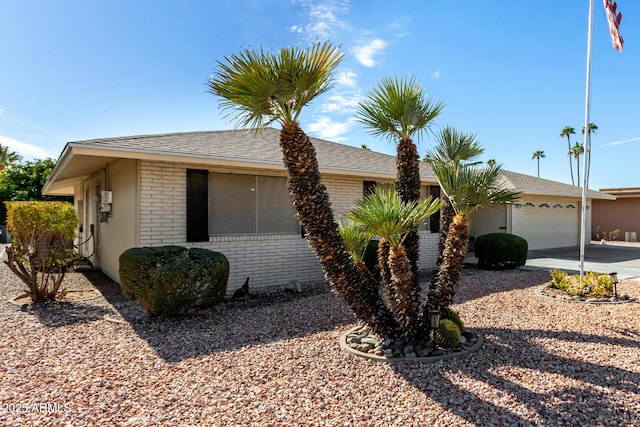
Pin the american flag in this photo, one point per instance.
(614, 17)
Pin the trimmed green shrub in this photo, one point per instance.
(170, 280)
(501, 250)
(41, 250)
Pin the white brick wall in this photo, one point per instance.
(269, 260)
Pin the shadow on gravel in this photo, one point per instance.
(505, 280)
(231, 325)
(64, 313)
(591, 402)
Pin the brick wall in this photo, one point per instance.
(269, 260)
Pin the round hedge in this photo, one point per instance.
(501, 250)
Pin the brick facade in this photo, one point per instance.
(269, 260)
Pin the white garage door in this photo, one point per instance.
(551, 224)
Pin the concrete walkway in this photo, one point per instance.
(618, 257)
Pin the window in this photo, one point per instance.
(434, 220)
(250, 204)
(544, 205)
(197, 230)
(571, 206)
(558, 206)
(367, 187)
(529, 205)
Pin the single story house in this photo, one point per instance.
(619, 214)
(226, 191)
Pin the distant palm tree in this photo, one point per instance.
(592, 129)
(538, 155)
(263, 88)
(576, 151)
(566, 132)
(491, 162)
(7, 157)
(364, 147)
(398, 109)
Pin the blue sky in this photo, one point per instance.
(511, 72)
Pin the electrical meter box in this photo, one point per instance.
(106, 197)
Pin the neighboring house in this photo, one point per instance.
(226, 191)
(622, 214)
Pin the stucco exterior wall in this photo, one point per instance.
(620, 214)
(268, 260)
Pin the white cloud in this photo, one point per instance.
(326, 128)
(621, 142)
(365, 54)
(296, 29)
(340, 103)
(24, 149)
(1, 111)
(324, 18)
(346, 78)
(436, 74)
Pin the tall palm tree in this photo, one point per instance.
(576, 151)
(382, 213)
(593, 128)
(566, 132)
(262, 88)
(454, 149)
(469, 188)
(7, 157)
(539, 154)
(398, 109)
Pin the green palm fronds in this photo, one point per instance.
(397, 108)
(355, 238)
(263, 87)
(382, 213)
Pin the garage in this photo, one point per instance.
(551, 223)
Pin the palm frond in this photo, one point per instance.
(455, 147)
(259, 87)
(382, 213)
(355, 238)
(397, 108)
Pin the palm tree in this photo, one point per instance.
(491, 162)
(262, 88)
(539, 154)
(576, 151)
(469, 188)
(454, 149)
(592, 129)
(398, 109)
(382, 213)
(566, 132)
(7, 157)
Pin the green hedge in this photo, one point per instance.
(501, 250)
(170, 280)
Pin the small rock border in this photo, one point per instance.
(359, 341)
(548, 291)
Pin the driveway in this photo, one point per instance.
(621, 258)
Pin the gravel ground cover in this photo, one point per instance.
(274, 360)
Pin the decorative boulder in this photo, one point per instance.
(170, 280)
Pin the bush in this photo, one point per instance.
(592, 285)
(41, 250)
(170, 280)
(501, 250)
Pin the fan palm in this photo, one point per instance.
(576, 151)
(468, 188)
(7, 157)
(454, 149)
(566, 132)
(539, 154)
(261, 88)
(593, 128)
(398, 109)
(382, 213)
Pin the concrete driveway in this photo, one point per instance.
(611, 257)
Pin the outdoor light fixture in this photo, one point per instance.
(614, 279)
(434, 320)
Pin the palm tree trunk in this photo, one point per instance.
(385, 273)
(450, 270)
(402, 282)
(570, 162)
(446, 215)
(408, 187)
(313, 208)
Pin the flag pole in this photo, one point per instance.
(587, 146)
